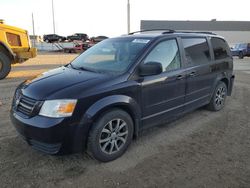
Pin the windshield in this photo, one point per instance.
(237, 46)
(241, 45)
(111, 55)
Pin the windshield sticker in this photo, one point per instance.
(143, 41)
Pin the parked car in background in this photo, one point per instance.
(77, 48)
(78, 36)
(53, 38)
(102, 99)
(98, 39)
(241, 50)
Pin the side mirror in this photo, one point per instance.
(150, 68)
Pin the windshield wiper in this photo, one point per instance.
(73, 67)
(85, 69)
(81, 68)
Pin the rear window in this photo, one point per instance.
(196, 51)
(220, 48)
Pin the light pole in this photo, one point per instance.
(33, 27)
(53, 16)
(128, 16)
(33, 24)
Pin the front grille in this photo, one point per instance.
(25, 105)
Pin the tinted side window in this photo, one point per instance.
(166, 53)
(220, 48)
(196, 51)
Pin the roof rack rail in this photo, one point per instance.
(165, 31)
(201, 32)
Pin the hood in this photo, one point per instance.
(46, 85)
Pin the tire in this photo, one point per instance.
(219, 97)
(241, 56)
(110, 135)
(5, 65)
(47, 40)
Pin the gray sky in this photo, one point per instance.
(108, 17)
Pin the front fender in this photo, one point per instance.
(122, 101)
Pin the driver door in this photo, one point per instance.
(163, 95)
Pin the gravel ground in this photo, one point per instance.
(201, 149)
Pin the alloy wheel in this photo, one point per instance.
(220, 96)
(113, 136)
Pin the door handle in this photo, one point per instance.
(179, 77)
(192, 74)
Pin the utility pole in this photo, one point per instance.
(33, 24)
(53, 15)
(33, 27)
(128, 16)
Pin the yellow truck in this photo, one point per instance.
(15, 47)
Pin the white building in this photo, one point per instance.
(233, 31)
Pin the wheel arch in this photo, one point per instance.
(122, 102)
(221, 78)
(226, 81)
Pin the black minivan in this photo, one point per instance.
(102, 99)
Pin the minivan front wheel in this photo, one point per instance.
(111, 135)
(219, 97)
(241, 56)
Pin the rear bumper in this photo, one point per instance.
(231, 84)
(50, 135)
(22, 54)
(32, 52)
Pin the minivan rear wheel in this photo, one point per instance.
(219, 97)
(110, 135)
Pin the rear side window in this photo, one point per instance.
(220, 48)
(196, 51)
(166, 53)
(13, 39)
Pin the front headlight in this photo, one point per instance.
(58, 108)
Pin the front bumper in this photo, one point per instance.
(234, 53)
(51, 135)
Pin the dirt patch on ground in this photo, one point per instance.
(201, 149)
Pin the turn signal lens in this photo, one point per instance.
(67, 108)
